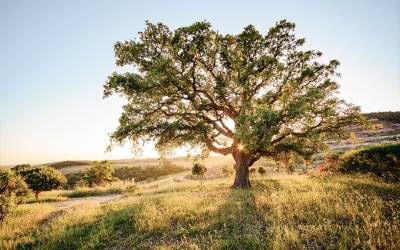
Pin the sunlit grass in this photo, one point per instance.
(292, 212)
(17, 229)
(117, 187)
(47, 196)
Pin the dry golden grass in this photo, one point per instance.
(293, 212)
(15, 229)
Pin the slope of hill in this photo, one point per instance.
(297, 212)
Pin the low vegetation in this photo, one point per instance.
(284, 213)
(147, 173)
(100, 173)
(199, 170)
(116, 187)
(381, 161)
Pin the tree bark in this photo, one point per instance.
(242, 180)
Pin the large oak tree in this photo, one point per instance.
(249, 95)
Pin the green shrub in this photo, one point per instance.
(13, 191)
(382, 161)
(43, 179)
(99, 174)
(332, 160)
(261, 170)
(199, 170)
(73, 180)
(21, 167)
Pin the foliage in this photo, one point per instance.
(382, 161)
(296, 212)
(252, 171)
(287, 159)
(74, 180)
(43, 179)
(189, 85)
(199, 169)
(332, 161)
(21, 167)
(261, 170)
(99, 174)
(13, 191)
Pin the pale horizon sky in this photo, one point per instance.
(56, 55)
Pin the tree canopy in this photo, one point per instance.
(13, 190)
(249, 95)
(43, 179)
(100, 173)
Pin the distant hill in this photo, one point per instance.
(389, 116)
(64, 164)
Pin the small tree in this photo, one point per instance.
(13, 190)
(252, 171)
(199, 170)
(227, 171)
(99, 174)
(43, 179)
(261, 171)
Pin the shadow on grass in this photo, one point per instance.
(236, 223)
(386, 192)
(266, 185)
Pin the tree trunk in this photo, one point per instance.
(37, 195)
(242, 180)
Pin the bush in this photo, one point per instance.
(74, 180)
(199, 170)
(21, 167)
(43, 179)
(332, 161)
(382, 161)
(261, 170)
(101, 173)
(13, 191)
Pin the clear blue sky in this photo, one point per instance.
(55, 56)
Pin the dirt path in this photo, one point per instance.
(75, 201)
(62, 206)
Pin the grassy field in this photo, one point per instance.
(288, 212)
